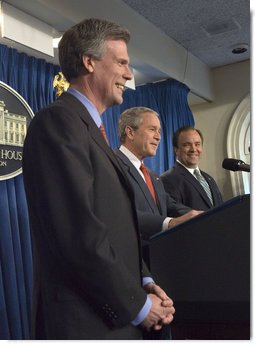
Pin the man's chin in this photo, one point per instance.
(152, 153)
(117, 101)
(192, 165)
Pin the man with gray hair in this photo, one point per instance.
(90, 281)
(139, 132)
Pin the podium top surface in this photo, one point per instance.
(227, 204)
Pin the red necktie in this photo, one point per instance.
(148, 181)
(102, 129)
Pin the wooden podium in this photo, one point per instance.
(204, 266)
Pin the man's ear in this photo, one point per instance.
(88, 63)
(129, 132)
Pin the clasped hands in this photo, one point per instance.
(162, 309)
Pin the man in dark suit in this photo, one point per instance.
(139, 131)
(89, 278)
(185, 182)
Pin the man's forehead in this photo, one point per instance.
(190, 136)
(155, 123)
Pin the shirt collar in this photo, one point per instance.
(133, 159)
(191, 170)
(88, 104)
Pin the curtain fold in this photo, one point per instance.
(110, 119)
(172, 100)
(32, 78)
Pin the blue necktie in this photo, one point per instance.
(204, 184)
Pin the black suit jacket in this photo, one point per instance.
(185, 188)
(150, 215)
(87, 257)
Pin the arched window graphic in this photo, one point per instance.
(238, 145)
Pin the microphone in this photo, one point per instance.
(235, 165)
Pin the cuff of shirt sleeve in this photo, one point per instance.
(147, 280)
(143, 312)
(166, 223)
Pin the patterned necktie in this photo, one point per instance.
(148, 181)
(204, 184)
(102, 129)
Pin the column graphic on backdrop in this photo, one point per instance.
(15, 117)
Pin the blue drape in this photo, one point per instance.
(169, 99)
(110, 119)
(32, 78)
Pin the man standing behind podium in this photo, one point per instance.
(185, 182)
(139, 131)
(89, 279)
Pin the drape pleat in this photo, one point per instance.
(174, 110)
(32, 78)
(110, 118)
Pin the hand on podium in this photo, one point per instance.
(176, 221)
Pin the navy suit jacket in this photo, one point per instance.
(184, 188)
(150, 215)
(87, 259)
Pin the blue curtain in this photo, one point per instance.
(110, 119)
(172, 101)
(169, 99)
(32, 78)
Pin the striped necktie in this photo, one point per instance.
(102, 129)
(204, 184)
(148, 181)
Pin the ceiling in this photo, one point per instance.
(208, 29)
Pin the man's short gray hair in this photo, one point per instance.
(87, 38)
(133, 118)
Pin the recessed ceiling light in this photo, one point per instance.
(240, 48)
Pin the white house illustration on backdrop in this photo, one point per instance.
(13, 127)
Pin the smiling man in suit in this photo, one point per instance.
(185, 182)
(139, 131)
(90, 281)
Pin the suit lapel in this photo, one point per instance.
(94, 131)
(191, 179)
(97, 136)
(155, 182)
(132, 171)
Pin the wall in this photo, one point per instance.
(231, 84)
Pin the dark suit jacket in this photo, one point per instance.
(150, 215)
(87, 257)
(185, 188)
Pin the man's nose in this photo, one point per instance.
(157, 135)
(128, 73)
(193, 147)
